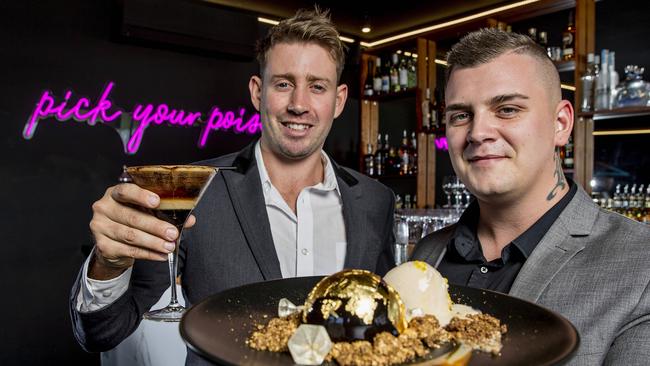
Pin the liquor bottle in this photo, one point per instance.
(407, 202)
(617, 201)
(613, 79)
(376, 81)
(385, 78)
(369, 161)
(413, 166)
(404, 154)
(588, 82)
(394, 74)
(568, 40)
(630, 212)
(625, 199)
(368, 84)
(414, 202)
(403, 74)
(645, 217)
(393, 163)
(426, 111)
(398, 202)
(532, 33)
(436, 111)
(379, 158)
(641, 199)
(388, 168)
(603, 82)
(412, 72)
(542, 39)
(568, 154)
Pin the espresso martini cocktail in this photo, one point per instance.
(180, 188)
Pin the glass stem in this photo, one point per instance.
(173, 266)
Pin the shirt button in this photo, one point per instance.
(304, 251)
(484, 269)
(107, 293)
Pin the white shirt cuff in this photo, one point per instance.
(95, 294)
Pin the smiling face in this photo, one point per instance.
(503, 124)
(298, 99)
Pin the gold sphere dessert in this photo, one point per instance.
(355, 305)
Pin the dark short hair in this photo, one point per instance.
(305, 26)
(484, 45)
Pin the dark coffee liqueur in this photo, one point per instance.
(179, 191)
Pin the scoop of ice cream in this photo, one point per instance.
(423, 290)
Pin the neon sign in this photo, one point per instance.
(441, 143)
(132, 125)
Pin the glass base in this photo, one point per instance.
(168, 314)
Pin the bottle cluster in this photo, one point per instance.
(387, 160)
(557, 53)
(631, 201)
(599, 82)
(433, 112)
(388, 75)
(408, 202)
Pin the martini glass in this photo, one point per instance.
(180, 188)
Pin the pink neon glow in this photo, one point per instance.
(45, 108)
(441, 143)
(219, 120)
(144, 115)
(158, 115)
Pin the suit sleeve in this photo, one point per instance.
(631, 346)
(103, 329)
(386, 261)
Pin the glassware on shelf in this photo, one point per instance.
(411, 225)
(454, 187)
(448, 184)
(401, 229)
(633, 91)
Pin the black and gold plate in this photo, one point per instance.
(217, 327)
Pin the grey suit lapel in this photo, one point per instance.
(559, 245)
(245, 190)
(352, 215)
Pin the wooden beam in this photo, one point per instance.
(431, 171)
(422, 183)
(364, 131)
(585, 21)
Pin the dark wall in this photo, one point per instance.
(48, 183)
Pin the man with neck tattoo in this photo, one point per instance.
(531, 232)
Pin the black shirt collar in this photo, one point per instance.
(466, 244)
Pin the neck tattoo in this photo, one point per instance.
(559, 175)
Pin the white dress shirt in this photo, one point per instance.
(309, 242)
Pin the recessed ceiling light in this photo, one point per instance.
(366, 29)
(447, 23)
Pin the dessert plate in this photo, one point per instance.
(217, 327)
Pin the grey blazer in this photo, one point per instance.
(231, 245)
(593, 267)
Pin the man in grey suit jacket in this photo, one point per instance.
(530, 232)
(286, 209)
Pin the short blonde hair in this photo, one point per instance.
(305, 26)
(484, 45)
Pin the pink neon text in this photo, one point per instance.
(158, 115)
(45, 108)
(224, 121)
(441, 143)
